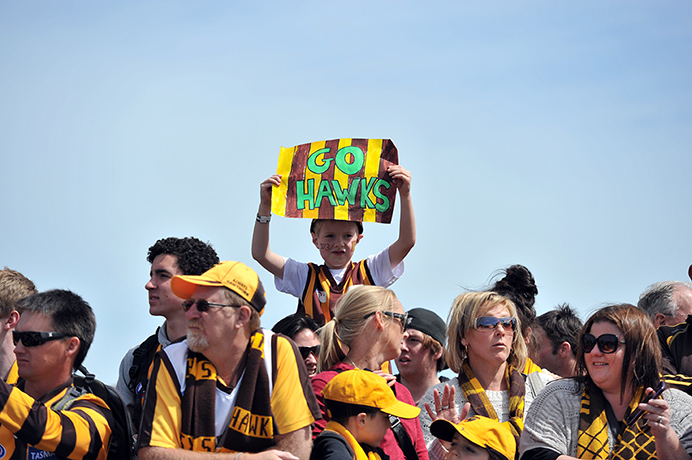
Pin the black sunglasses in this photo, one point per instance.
(490, 323)
(34, 339)
(203, 305)
(305, 351)
(402, 317)
(607, 343)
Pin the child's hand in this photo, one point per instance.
(401, 178)
(266, 189)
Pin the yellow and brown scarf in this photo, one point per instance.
(359, 453)
(635, 442)
(475, 394)
(251, 427)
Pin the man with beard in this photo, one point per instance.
(252, 380)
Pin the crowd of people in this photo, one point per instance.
(321, 384)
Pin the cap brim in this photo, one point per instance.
(443, 429)
(183, 286)
(401, 410)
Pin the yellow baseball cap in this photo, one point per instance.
(235, 276)
(482, 431)
(366, 388)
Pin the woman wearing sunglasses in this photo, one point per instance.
(594, 416)
(303, 330)
(367, 331)
(487, 350)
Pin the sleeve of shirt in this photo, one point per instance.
(680, 416)
(381, 269)
(162, 412)
(293, 401)
(82, 431)
(295, 277)
(122, 386)
(552, 421)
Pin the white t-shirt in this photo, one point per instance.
(296, 273)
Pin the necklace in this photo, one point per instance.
(351, 361)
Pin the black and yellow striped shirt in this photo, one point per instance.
(30, 429)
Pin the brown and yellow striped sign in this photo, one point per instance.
(343, 179)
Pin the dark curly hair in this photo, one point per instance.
(194, 256)
(519, 286)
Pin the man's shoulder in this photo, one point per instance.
(151, 342)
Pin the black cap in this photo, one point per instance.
(428, 322)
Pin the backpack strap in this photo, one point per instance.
(122, 433)
(142, 358)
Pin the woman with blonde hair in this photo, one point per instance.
(367, 331)
(486, 349)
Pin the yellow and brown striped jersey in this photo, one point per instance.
(30, 429)
(322, 292)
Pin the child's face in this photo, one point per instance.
(374, 429)
(337, 241)
(462, 448)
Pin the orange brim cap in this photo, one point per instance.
(235, 276)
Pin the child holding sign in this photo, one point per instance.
(318, 287)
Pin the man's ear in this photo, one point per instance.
(244, 314)
(314, 239)
(438, 355)
(72, 346)
(11, 321)
(659, 320)
(564, 350)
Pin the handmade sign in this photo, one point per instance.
(343, 179)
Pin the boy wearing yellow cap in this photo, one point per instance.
(360, 403)
(476, 438)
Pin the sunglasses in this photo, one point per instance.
(402, 317)
(490, 323)
(34, 339)
(305, 351)
(203, 305)
(607, 343)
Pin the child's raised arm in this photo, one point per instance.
(407, 222)
(261, 252)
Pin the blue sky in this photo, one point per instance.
(556, 135)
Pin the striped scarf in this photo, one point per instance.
(359, 453)
(635, 442)
(475, 394)
(251, 427)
